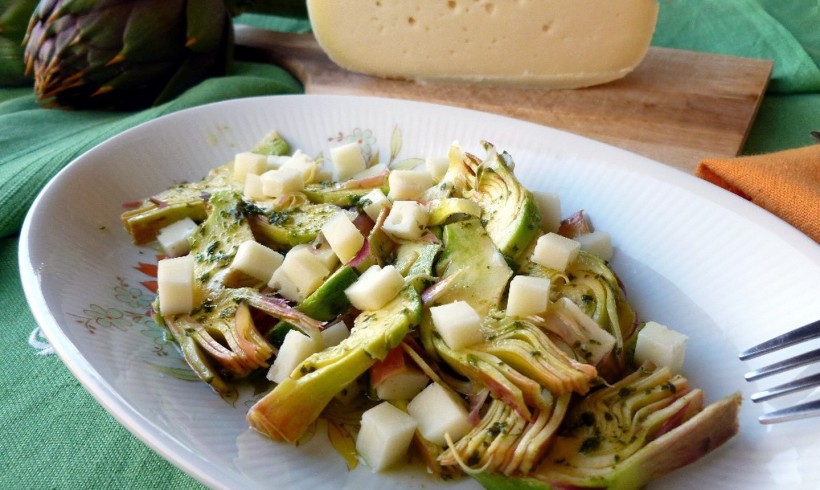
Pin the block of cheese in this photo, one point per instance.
(544, 43)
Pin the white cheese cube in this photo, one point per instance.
(248, 163)
(281, 181)
(326, 255)
(347, 161)
(304, 269)
(458, 323)
(555, 251)
(256, 260)
(344, 238)
(437, 166)
(373, 202)
(174, 238)
(439, 411)
(528, 295)
(402, 386)
(597, 242)
(175, 285)
(335, 334)
(252, 189)
(281, 283)
(296, 347)
(406, 220)
(385, 435)
(375, 287)
(549, 205)
(306, 166)
(661, 345)
(408, 184)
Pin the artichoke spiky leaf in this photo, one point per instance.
(625, 435)
(125, 55)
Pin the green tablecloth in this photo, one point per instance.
(54, 435)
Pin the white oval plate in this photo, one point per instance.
(692, 256)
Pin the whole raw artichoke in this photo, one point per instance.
(125, 54)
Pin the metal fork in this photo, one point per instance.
(796, 336)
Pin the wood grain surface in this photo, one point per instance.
(677, 107)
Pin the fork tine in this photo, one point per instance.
(786, 388)
(797, 412)
(795, 336)
(784, 365)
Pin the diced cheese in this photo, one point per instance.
(326, 255)
(402, 386)
(304, 164)
(344, 238)
(174, 238)
(335, 334)
(661, 345)
(304, 269)
(528, 295)
(253, 188)
(373, 202)
(296, 347)
(555, 251)
(280, 282)
(548, 43)
(175, 285)
(408, 184)
(597, 242)
(458, 323)
(347, 161)
(437, 166)
(406, 220)
(281, 181)
(375, 287)
(385, 435)
(248, 163)
(549, 205)
(256, 260)
(439, 411)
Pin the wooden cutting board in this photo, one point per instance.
(677, 107)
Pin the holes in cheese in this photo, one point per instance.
(555, 251)
(375, 287)
(175, 285)
(438, 411)
(384, 436)
(545, 43)
(528, 295)
(458, 324)
(344, 238)
(406, 220)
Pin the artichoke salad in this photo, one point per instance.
(431, 313)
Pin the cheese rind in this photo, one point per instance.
(545, 43)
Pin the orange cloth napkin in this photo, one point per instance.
(786, 183)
